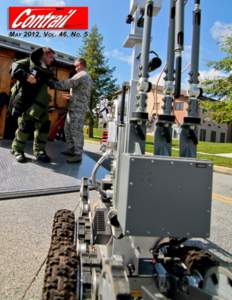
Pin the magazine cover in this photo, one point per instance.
(115, 149)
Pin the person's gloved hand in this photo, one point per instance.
(50, 84)
(31, 79)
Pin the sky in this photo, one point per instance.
(110, 15)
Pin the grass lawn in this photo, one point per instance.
(206, 147)
(211, 148)
(217, 160)
(214, 148)
(97, 133)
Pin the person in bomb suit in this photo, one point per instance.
(80, 92)
(29, 102)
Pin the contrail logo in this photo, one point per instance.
(28, 18)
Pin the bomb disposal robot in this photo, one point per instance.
(145, 235)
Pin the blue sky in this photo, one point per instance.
(109, 16)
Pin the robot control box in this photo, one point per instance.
(164, 196)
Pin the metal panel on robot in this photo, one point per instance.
(157, 196)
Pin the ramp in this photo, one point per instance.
(33, 178)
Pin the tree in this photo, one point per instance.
(221, 87)
(104, 84)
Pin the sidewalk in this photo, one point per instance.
(222, 170)
(227, 155)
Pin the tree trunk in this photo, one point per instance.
(90, 127)
(91, 119)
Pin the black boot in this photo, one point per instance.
(69, 152)
(20, 157)
(42, 156)
(76, 158)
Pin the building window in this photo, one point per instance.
(203, 135)
(222, 137)
(179, 106)
(213, 136)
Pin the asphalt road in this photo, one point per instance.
(221, 218)
(25, 236)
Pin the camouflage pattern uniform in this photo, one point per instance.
(31, 105)
(80, 91)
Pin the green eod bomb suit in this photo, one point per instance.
(30, 102)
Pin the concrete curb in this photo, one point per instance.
(222, 170)
(87, 141)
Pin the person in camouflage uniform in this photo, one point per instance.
(29, 102)
(80, 91)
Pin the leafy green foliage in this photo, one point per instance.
(104, 84)
(221, 87)
(220, 111)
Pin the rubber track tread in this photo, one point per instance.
(63, 226)
(60, 278)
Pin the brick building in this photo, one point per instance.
(208, 131)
